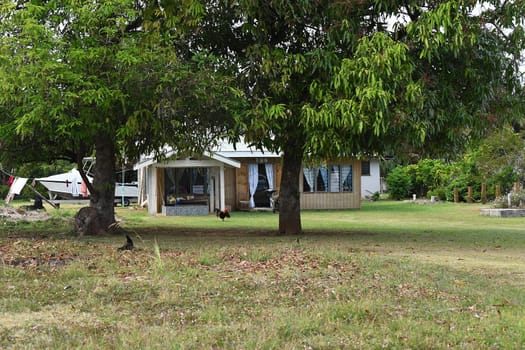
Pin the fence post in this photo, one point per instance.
(516, 187)
(483, 193)
(497, 193)
(469, 198)
(456, 195)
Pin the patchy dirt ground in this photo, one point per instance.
(15, 214)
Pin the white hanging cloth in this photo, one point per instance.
(16, 187)
(309, 175)
(253, 177)
(269, 175)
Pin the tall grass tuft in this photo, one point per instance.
(159, 266)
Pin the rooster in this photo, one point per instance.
(222, 213)
(129, 244)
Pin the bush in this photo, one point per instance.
(4, 189)
(399, 183)
(440, 193)
(505, 178)
(517, 200)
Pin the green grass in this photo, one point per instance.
(392, 275)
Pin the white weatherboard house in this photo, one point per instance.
(370, 177)
(240, 178)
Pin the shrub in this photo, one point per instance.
(517, 200)
(500, 202)
(505, 178)
(399, 183)
(440, 193)
(4, 189)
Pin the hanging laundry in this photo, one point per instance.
(83, 189)
(16, 187)
(75, 188)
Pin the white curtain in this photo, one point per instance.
(334, 178)
(269, 175)
(309, 175)
(345, 171)
(253, 177)
(324, 175)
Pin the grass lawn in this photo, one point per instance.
(392, 275)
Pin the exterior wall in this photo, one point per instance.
(160, 190)
(315, 200)
(241, 179)
(229, 188)
(236, 188)
(371, 183)
(241, 183)
(326, 200)
(329, 200)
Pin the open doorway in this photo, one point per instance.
(261, 184)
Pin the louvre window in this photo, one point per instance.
(331, 178)
(365, 168)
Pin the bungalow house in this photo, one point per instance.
(240, 178)
(370, 177)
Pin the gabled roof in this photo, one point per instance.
(150, 160)
(224, 153)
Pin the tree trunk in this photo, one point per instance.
(289, 201)
(104, 178)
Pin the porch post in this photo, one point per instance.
(213, 189)
(221, 186)
(152, 190)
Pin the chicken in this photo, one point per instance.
(222, 213)
(129, 244)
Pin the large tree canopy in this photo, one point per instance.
(349, 78)
(324, 78)
(83, 78)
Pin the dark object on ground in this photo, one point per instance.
(37, 205)
(129, 244)
(222, 213)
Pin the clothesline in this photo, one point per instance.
(16, 185)
(5, 172)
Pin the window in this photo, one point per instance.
(331, 178)
(365, 168)
(186, 181)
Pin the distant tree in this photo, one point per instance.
(502, 151)
(100, 78)
(349, 78)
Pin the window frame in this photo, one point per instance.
(369, 172)
(329, 171)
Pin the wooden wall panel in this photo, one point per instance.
(278, 170)
(160, 189)
(230, 187)
(241, 173)
(327, 200)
